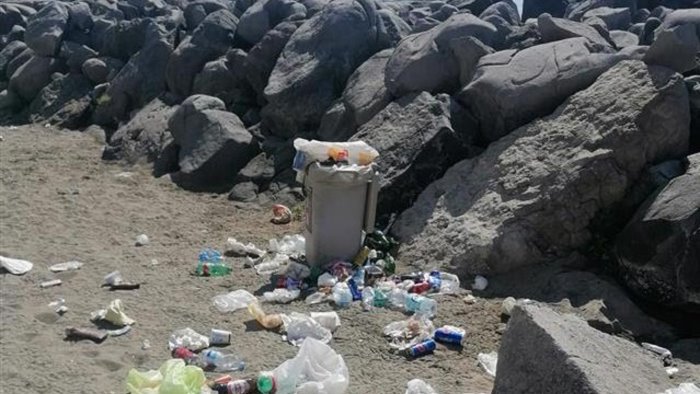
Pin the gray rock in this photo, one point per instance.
(424, 24)
(650, 27)
(542, 350)
(535, 8)
(693, 85)
(675, 48)
(512, 88)
(12, 15)
(101, 70)
(658, 252)
(531, 195)
(214, 144)
(624, 39)
(196, 11)
(445, 11)
(9, 52)
(555, 29)
(97, 132)
(32, 76)
(216, 80)
(141, 80)
(144, 136)
(16, 34)
(75, 55)
(16, 62)
(505, 9)
(682, 17)
(254, 178)
(424, 61)
(523, 37)
(337, 124)
(9, 101)
(264, 15)
(503, 28)
(366, 93)
(392, 29)
(416, 144)
(79, 16)
(212, 38)
(263, 56)
(45, 29)
(641, 15)
(315, 64)
(577, 9)
(123, 39)
(64, 102)
(614, 18)
(468, 51)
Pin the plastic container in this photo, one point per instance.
(222, 361)
(397, 298)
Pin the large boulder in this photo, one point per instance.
(535, 8)
(214, 144)
(532, 194)
(9, 52)
(555, 29)
(33, 75)
(416, 144)
(392, 29)
(262, 58)
(123, 39)
(675, 48)
(13, 15)
(614, 18)
(64, 102)
(45, 29)
(425, 62)
(682, 17)
(196, 11)
(468, 51)
(543, 351)
(624, 39)
(315, 64)
(141, 80)
(505, 9)
(577, 9)
(513, 88)
(212, 38)
(366, 93)
(75, 55)
(215, 79)
(18, 61)
(264, 15)
(101, 70)
(658, 252)
(144, 136)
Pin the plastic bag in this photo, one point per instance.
(316, 369)
(355, 152)
(173, 377)
(15, 266)
(270, 265)
(326, 280)
(329, 320)
(283, 296)
(488, 361)
(480, 283)
(233, 301)
(299, 327)
(417, 386)
(189, 339)
(290, 245)
(684, 388)
(238, 248)
(405, 333)
(113, 314)
(297, 271)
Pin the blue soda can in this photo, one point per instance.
(449, 334)
(423, 348)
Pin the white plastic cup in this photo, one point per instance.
(219, 337)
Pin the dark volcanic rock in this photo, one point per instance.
(555, 29)
(535, 8)
(45, 29)
(675, 48)
(64, 102)
(33, 75)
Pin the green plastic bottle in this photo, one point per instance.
(266, 383)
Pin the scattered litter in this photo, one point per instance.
(211, 263)
(420, 349)
(449, 334)
(269, 321)
(67, 266)
(671, 371)
(15, 266)
(356, 152)
(469, 299)
(298, 327)
(281, 214)
(663, 352)
(119, 332)
(188, 338)
(174, 377)
(50, 283)
(222, 362)
(507, 306)
(684, 388)
(125, 286)
(271, 265)
(233, 301)
(113, 278)
(282, 296)
(406, 333)
(488, 362)
(326, 280)
(154, 262)
(235, 247)
(317, 298)
(329, 320)
(85, 333)
(297, 271)
(291, 245)
(480, 283)
(59, 306)
(142, 240)
(146, 344)
(124, 174)
(220, 337)
(113, 314)
(417, 386)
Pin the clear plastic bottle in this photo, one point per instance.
(421, 305)
(397, 298)
(368, 298)
(342, 295)
(223, 362)
(359, 277)
(449, 283)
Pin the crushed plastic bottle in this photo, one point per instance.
(397, 298)
(269, 321)
(233, 301)
(488, 361)
(211, 264)
(317, 298)
(282, 296)
(417, 386)
(223, 362)
(368, 298)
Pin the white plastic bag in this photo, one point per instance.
(299, 327)
(282, 296)
(684, 388)
(480, 283)
(326, 280)
(188, 338)
(271, 265)
(329, 320)
(488, 362)
(355, 152)
(290, 245)
(417, 386)
(297, 271)
(238, 248)
(316, 369)
(15, 266)
(233, 301)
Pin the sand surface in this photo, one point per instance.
(59, 202)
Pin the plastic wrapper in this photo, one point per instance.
(173, 377)
(233, 301)
(299, 326)
(67, 266)
(291, 245)
(188, 338)
(488, 362)
(282, 296)
(114, 314)
(15, 266)
(316, 369)
(406, 333)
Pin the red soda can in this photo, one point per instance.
(420, 288)
(423, 348)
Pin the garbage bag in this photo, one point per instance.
(173, 377)
(316, 369)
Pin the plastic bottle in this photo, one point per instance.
(222, 362)
(354, 290)
(361, 257)
(268, 321)
(397, 298)
(237, 299)
(421, 305)
(342, 295)
(270, 266)
(266, 383)
(186, 354)
(449, 283)
(368, 298)
(380, 298)
(359, 277)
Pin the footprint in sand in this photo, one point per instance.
(109, 365)
(91, 353)
(47, 317)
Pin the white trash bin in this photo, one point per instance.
(341, 203)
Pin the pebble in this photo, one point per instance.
(507, 306)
